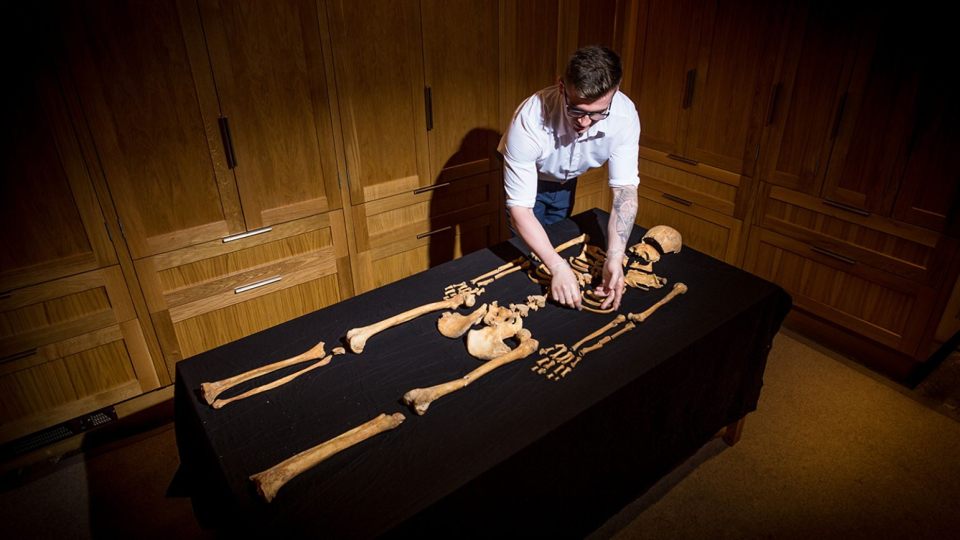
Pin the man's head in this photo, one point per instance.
(592, 78)
(592, 72)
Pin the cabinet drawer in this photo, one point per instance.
(402, 222)
(68, 347)
(876, 304)
(689, 183)
(376, 268)
(219, 286)
(895, 247)
(593, 191)
(704, 230)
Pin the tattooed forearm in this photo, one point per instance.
(623, 214)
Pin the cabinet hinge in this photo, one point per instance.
(109, 235)
(756, 155)
(122, 231)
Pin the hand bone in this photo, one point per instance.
(270, 481)
(357, 337)
(421, 398)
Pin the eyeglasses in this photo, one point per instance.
(576, 113)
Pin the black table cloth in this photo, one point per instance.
(513, 451)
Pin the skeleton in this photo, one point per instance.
(421, 398)
(587, 266)
(270, 481)
(557, 362)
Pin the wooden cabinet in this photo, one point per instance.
(216, 292)
(69, 347)
(696, 71)
(51, 225)
(417, 88)
(404, 234)
(857, 185)
(868, 301)
(209, 120)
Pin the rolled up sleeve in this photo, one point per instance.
(520, 151)
(625, 155)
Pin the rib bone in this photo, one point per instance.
(271, 480)
(211, 390)
(421, 398)
(357, 337)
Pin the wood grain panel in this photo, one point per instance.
(378, 62)
(143, 99)
(50, 222)
(734, 67)
(215, 328)
(880, 242)
(883, 307)
(67, 379)
(690, 186)
(268, 65)
(460, 51)
(715, 234)
(528, 52)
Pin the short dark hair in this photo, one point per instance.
(593, 71)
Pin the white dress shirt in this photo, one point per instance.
(541, 144)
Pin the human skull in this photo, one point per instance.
(645, 252)
(666, 238)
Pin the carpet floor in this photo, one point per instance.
(833, 451)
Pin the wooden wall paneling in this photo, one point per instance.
(667, 35)
(898, 248)
(189, 291)
(887, 309)
(874, 123)
(461, 53)
(268, 63)
(68, 347)
(51, 224)
(704, 230)
(593, 191)
(528, 52)
(148, 97)
(814, 68)
(378, 64)
(734, 68)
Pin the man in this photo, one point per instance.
(555, 136)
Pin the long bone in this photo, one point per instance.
(421, 398)
(357, 337)
(211, 390)
(678, 289)
(270, 481)
(220, 403)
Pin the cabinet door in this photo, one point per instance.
(664, 70)
(50, 223)
(734, 64)
(528, 51)
(814, 69)
(143, 88)
(873, 123)
(378, 63)
(268, 66)
(930, 186)
(461, 63)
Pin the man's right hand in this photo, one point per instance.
(564, 287)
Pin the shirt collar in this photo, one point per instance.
(555, 120)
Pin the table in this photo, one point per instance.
(513, 451)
